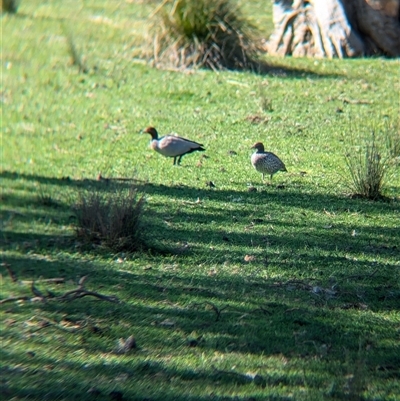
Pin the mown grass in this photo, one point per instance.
(290, 292)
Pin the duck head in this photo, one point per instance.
(152, 131)
(259, 146)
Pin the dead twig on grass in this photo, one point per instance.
(79, 292)
(241, 378)
(45, 322)
(359, 276)
(56, 280)
(13, 299)
(217, 310)
(36, 292)
(11, 273)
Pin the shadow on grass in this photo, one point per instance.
(186, 311)
(295, 246)
(153, 381)
(286, 197)
(165, 312)
(283, 71)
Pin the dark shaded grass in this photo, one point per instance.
(290, 197)
(292, 328)
(320, 336)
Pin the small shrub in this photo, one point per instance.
(368, 164)
(10, 6)
(76, 56)
(202, 33)
(355, 383)
(46, 199)
(112, 220)
(393, 141)
(265, 102)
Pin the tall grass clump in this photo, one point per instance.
(393, 141)
(112, 220)
(10, 6)
(76, 56)
(201, 33)
(368, 161)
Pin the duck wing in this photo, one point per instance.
(275, 161)
(173, 146)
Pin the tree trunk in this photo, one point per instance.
(335, 28)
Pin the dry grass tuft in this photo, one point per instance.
(368, 162)
(393, 141)
(201, 33)
(76, 56)
(112, 220)
(10, 6)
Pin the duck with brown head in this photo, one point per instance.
(171, 145)
(266, 162)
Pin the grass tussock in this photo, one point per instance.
(76, 56)
(265, 102)
(47, 200)
(112, 220)
(368, 162)
(393, 141)
(201, 33)
(10, 6)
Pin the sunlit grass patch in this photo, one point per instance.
(277, 293)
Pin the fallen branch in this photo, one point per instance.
(241, 377)
(79, 292)
(363, 275)
(356, 101)
(11, 273)
(57, 280)
(36, 292)
(229, 373)
(12, 299)
(217, 310)
(48, 322)
(261, 309)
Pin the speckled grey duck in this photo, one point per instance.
(172, 146)
(266, 162)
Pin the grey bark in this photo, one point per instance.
(335, 28)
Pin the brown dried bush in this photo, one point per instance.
(369, 160)
(10, 6)
(112, 220)
(201, 33)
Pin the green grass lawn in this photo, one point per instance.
(287, 292)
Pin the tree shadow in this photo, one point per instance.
(300, 314)
(283, 71)
(288, 197)
(166, 312)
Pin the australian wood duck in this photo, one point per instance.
(172, 146)
(266, 162)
